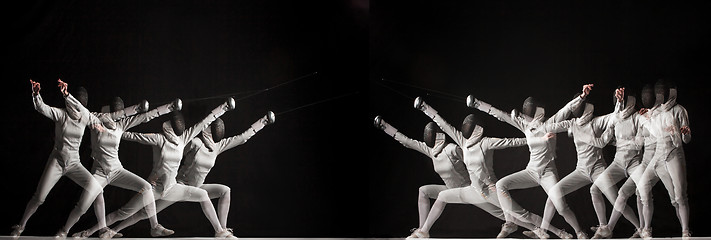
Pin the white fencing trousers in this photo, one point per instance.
(490, 204)
(53, 171)
(178, 193)
(529, 178)
(672, 172)
(127, 180)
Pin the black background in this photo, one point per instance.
(324, 171)
(502, 52)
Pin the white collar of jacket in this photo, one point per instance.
(672, 100)
(587, 114)
(629, 108)
(169, 133)
(440, 143)
(206, 138)
(476, 136)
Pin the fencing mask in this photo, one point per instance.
(529, 106)
(648, 96)
(430, 135)
(470, 122)
(116, 104)
(218, 129)
(177, 122)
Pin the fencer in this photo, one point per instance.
(541, 169)
(199, 158)
(626, 163)
(669, 124)
(590, 134)
(168, 149)
(107, 167)
(446, 160)
(478, 158)
(69, 125)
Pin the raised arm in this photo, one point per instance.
(567, 110)
(498, 114)
(193, 131)
(135, 120)
(455, 134)
(143, 138)
(234, 141)
(501, 143)
(50, 112)
(404, 140)
(126, 112)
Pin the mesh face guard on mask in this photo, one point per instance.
(218, 130)
(529, 106)
(430, 135)
(661, 88)
(82, 96)
(177, 122)
(468, 125)
(648, 97)
(116, 104)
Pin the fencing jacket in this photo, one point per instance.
(446, 159)
(105, 145)
(664, 123)
(542, 152)
(67, 131)
(199, 159)
(168, 149)
(478, 154)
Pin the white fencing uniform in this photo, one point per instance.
(108, 169)
(197, 162)
(663, 124)
(64, 159)
(167, 153)
(478, 157)
(541, 169)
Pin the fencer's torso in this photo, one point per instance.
(479, 158)
(198, 164)
(628, 151)
(589, 156)
(68, 132)
(199, 159)
(105, 144)
(446, 160)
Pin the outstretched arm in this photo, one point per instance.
(135, 120)
(501, 143)
(193, 131)
(143, 138)
(51, 112)
(557, 126)
(455, 134)
(404, 140)
(498, 114)
(126, 112)
(234, 141)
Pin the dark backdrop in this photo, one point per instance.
(296, 178)
(502, 52)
